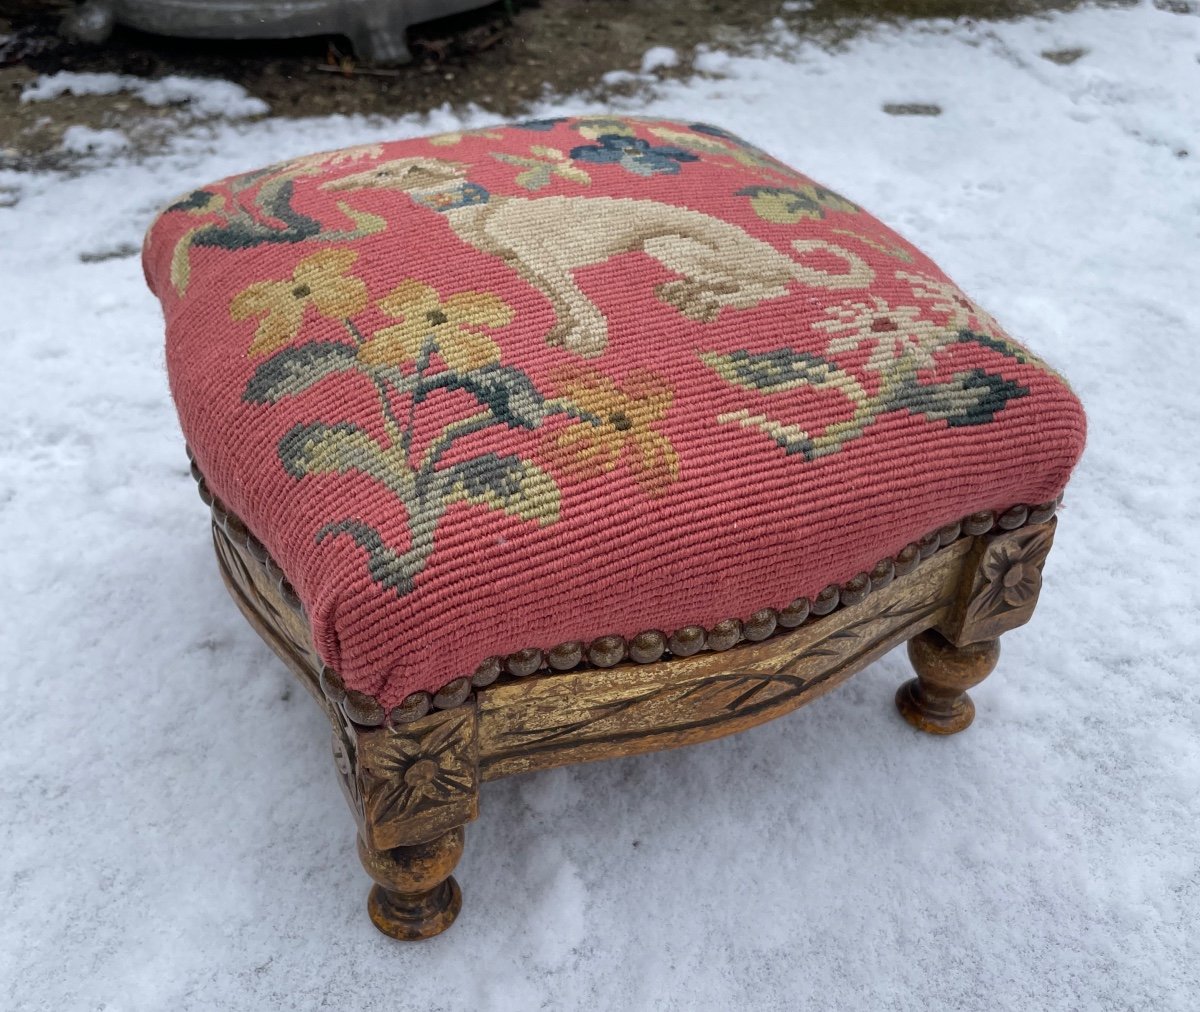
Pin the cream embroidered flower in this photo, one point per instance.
(894, 333)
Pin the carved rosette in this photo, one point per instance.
(417, 780)
(1006, 580)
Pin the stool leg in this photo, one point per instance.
(936, 701)
(415, 895)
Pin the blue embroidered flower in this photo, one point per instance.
(540, 124)
(634, 155)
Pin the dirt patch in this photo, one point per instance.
(501, 58)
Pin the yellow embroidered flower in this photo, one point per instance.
(614, 423)
(458, 136)
(319, 281)
(452, 327)
(896, 334)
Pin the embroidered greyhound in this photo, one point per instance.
(546, 239)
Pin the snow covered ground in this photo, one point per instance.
(171, 833)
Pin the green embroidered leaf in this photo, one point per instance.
(181, 265)
(968, 398)
(791, 439)
(365, 223)
(518, 487)
(789, 205)
(317, 448)
(385, 566)
(782, 369)
(1003, 346)
(504, 390)
(294, 370)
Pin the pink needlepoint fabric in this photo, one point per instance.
(569, 378)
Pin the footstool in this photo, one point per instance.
(579, 438)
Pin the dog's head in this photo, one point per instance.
(408, 175)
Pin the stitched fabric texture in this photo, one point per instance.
(569, 378)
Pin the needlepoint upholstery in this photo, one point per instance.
(571, 378)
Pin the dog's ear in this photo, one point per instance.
(405, 174)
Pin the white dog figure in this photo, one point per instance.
(545, 239)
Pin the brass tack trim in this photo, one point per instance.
(883, 574)
(414, 707)
(856, 589)
(979, 523)
(687, 641)
(928, 545)
(760, 625)
(1013, 518)
(332, 685)
(794, 614)
(1043, 511)
(827, 600)
(362, 709)
(647, 647)
(523, 662)
(452, 694)
(907, 559)
(607, 651)
(565, 656)
(487, 672)
(725, 634)
(948, 534)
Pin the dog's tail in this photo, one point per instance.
(820, 255)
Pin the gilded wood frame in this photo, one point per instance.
(413, 783)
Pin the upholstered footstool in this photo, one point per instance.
(580, 438)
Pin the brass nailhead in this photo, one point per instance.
(760, 625)
(949, 534)
(794, 614)
(724, 634)
(979, 523)
(928, 544)
(565, 656)
(1013, 518)
(687, 641)
(856, 589)
(647, 647)
(907, 559)
(524, 662)
(362, 709)
(414, 707)
(1043, 512)
(883, 574)
(827, 600)
(452, 693)
(332, 685)
(487, 672)
(606, 651)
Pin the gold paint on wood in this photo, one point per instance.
(581, 716)
(1002, 581)
(418, 780)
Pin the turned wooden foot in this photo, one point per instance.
(936, 701)
(415, 895)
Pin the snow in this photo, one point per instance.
(659, 58)
(203, 97)
(172, 832)
(84, 140)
